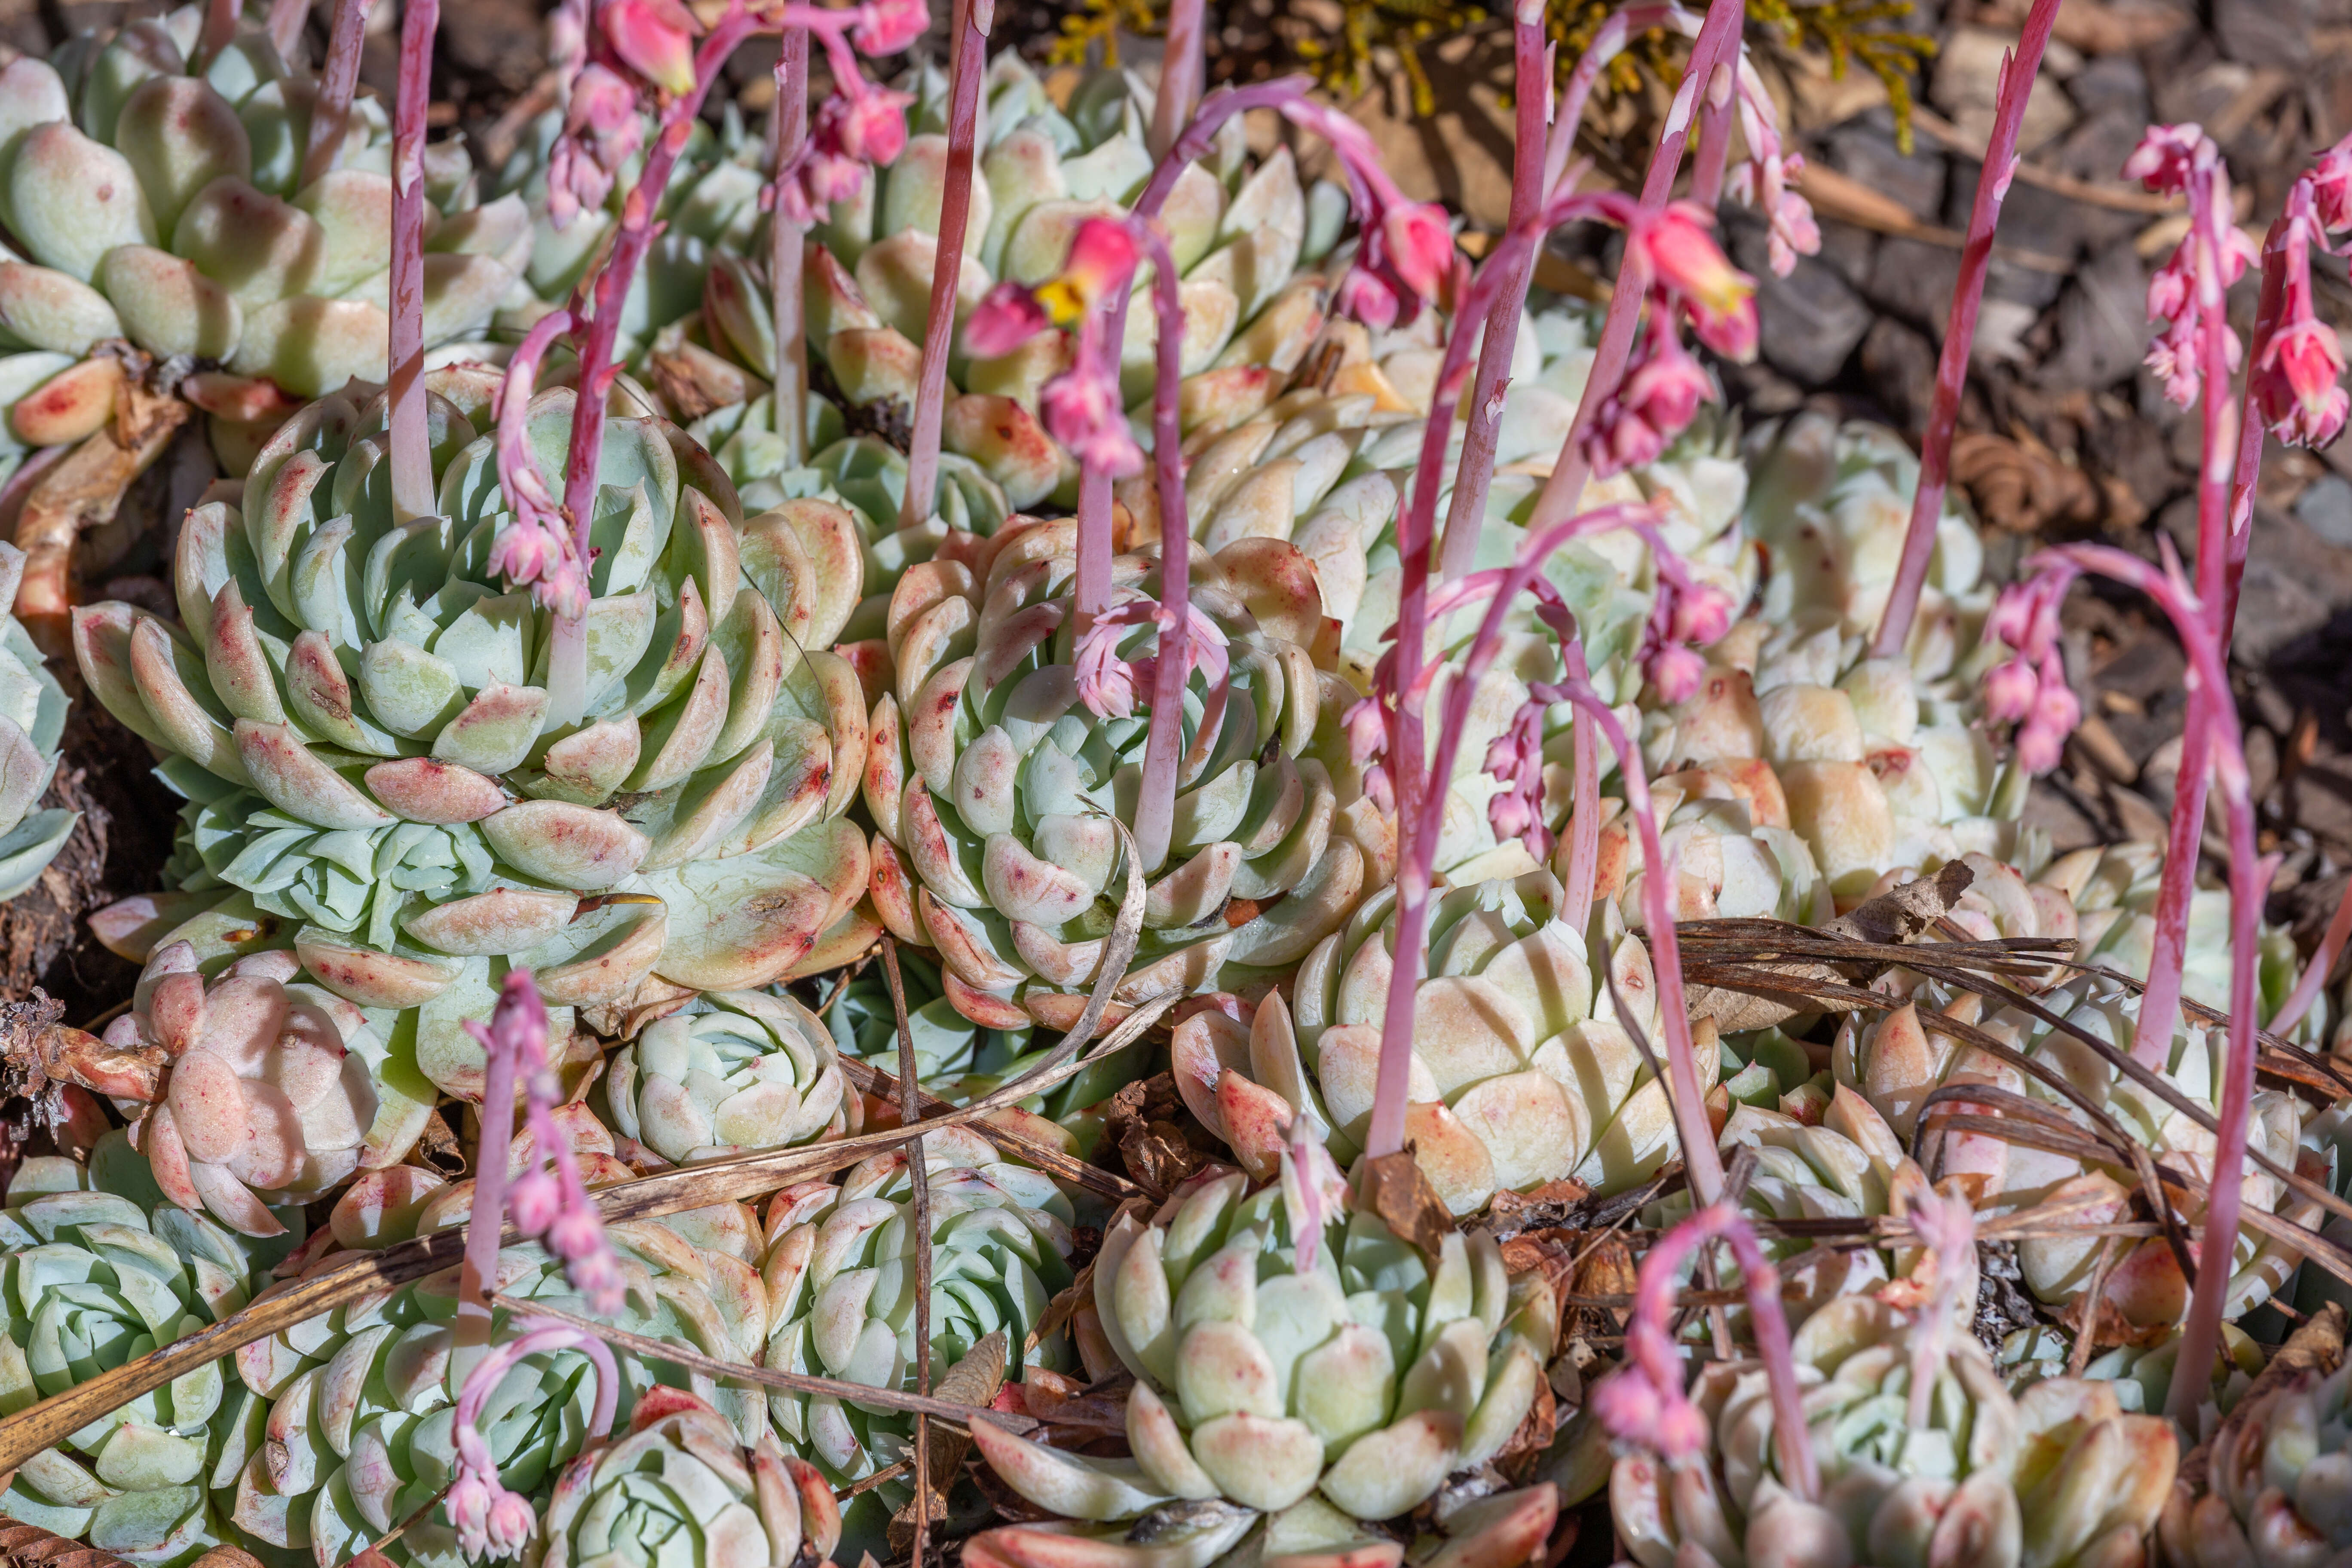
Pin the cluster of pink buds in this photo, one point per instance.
(601, 131)
(2297, 377)
(1107, 682)
(2030, 691)
(490, 1521)
(1405, 249)
(861, 123)
(549, 1207)
(2186, 291)
(1687, 275)
(1686, 616)
(1081, 407)
(540, 545)
(1762, 180)
(1314, 1190)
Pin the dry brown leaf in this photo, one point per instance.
(973, 1381)
(1396, 1190)
(30, 1546)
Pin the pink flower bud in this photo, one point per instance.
(873, 126)
(656, 39)
(1364, 298)
(2331, 187)
(1702, 615)
(1080, 408)
(2165, 155)
(533, 1202)
(2297, 379)
(575, 1232)
(2055, 704)
(1008, 317)
(1672, 249)
(510, 1525)
(2008, 691)
(2038, 747)
(1676, 673)
(1102, 262)
(1420, 243)
(468, 1503)
(889, 27)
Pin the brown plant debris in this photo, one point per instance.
(1145, 1121)
(30, 1546)
(1395, 1189)
(974, 1380)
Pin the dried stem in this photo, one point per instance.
(1155, 816)
(787, 253)
(331, 109)
(1717, 43)
(1532, 84)
(411, 454)
(2018, 73)
(919, 1173)
(969, 64)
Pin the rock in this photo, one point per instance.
(2102, 323)
(1899, 363)
(1811, 319)
(2111, 84)
(1915, 281)
(2093, 150)
(2265, 32)
(2294, 579)
(1864, 151)
(2326, 508)
(1966, 86)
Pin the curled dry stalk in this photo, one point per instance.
(919, 1176)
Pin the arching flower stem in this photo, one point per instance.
(330, 108)
(1155, 815)
(969, 65)
(786, 250)
(2019, 68)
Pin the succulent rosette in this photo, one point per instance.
(32, 725)
(98, 1268)
(1284, 1348)
(165, 204)
(960, 1060)
(680, 1489)
(999, 772)
(357, 713)
(1897, 1060)
(1839, 1159)
(2142, 1373)
(2275, 1482)
(274, 1093)
(2057, 1475)
(840, 1280)
(343, 1427)
(730, 1073)
(1522, 1072)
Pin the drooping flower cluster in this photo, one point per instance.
(491, 1520)
(861, 123)
(2298, 370)
(1762, 179)
(2030, 691)
(1687, 275)
(1406, 250)
(1081, 407)
(550, 1207)
(1108, 681)
(2186, 291)
(601, 131)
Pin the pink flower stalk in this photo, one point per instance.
(920, 499)
(539, 546)
(2031, 690)
(490, 1521)
(2213, 709)
(654, 40)
(2017, 73)
(2314, 978)
(330, 108)
(1182, 70)
(786, 247)
(567, 39)
(554, 1209)
(411, 454)
(1643, 1403)
(601, 131)
(1718, 44)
